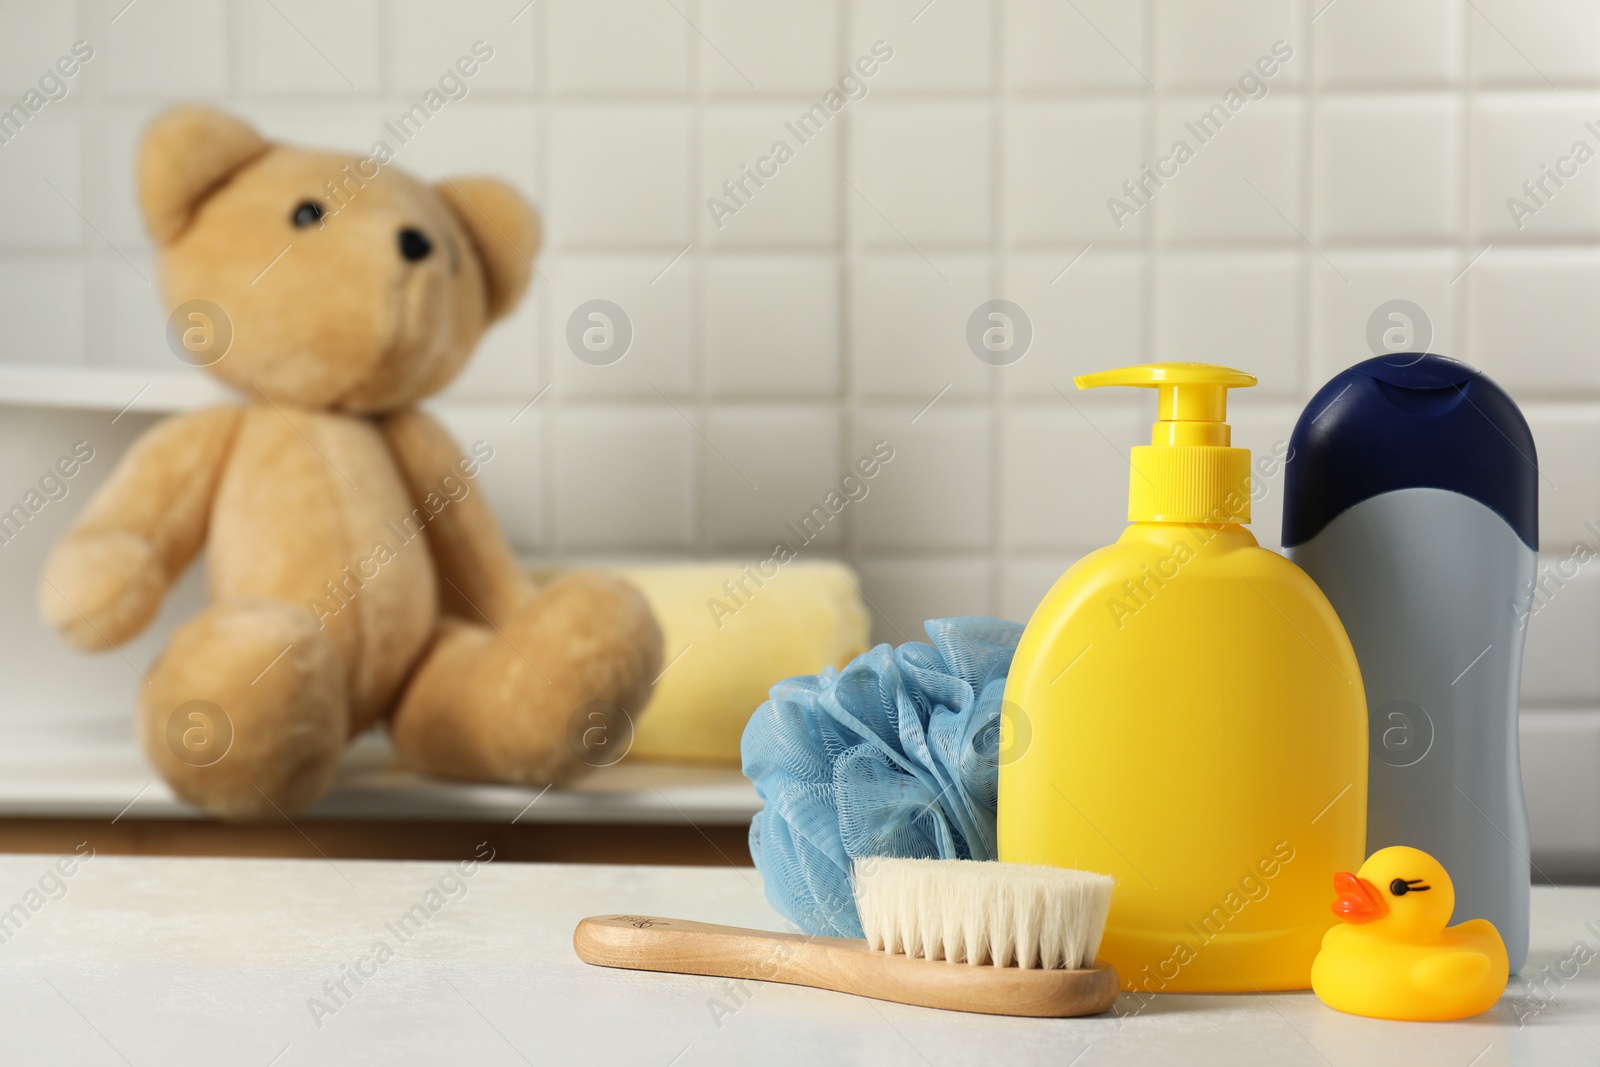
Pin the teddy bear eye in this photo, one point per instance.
(307, 214)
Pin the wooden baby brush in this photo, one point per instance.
(995, 938)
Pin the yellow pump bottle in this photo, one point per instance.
(1185, 713)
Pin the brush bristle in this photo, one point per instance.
(965, 911)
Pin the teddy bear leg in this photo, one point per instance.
(500, 704)
(245, 714)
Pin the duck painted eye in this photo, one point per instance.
(1401, 886)
(308, 213)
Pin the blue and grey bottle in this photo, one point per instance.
(1412, 498)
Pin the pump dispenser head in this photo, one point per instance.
(1189, 472)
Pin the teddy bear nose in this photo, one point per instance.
(414, 245)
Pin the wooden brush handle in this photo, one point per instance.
(679, 946)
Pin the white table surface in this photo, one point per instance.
(195, 961)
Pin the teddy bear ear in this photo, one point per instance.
(187, 153)
(505, 232)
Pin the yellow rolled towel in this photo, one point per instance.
(729, 633)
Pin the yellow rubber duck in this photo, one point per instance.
(1393, 957)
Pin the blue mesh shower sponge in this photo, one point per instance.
(896, 755)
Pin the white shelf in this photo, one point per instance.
(98, 773)
(110, 389)
(94, 771)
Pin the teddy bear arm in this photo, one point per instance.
(479, 577)
(105, 579)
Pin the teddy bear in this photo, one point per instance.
(352, 578)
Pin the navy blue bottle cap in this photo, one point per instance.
(1406, 421)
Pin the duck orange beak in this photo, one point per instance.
(1358, 900)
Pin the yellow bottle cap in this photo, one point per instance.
(1189, 472)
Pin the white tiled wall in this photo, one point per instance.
(830, 311)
